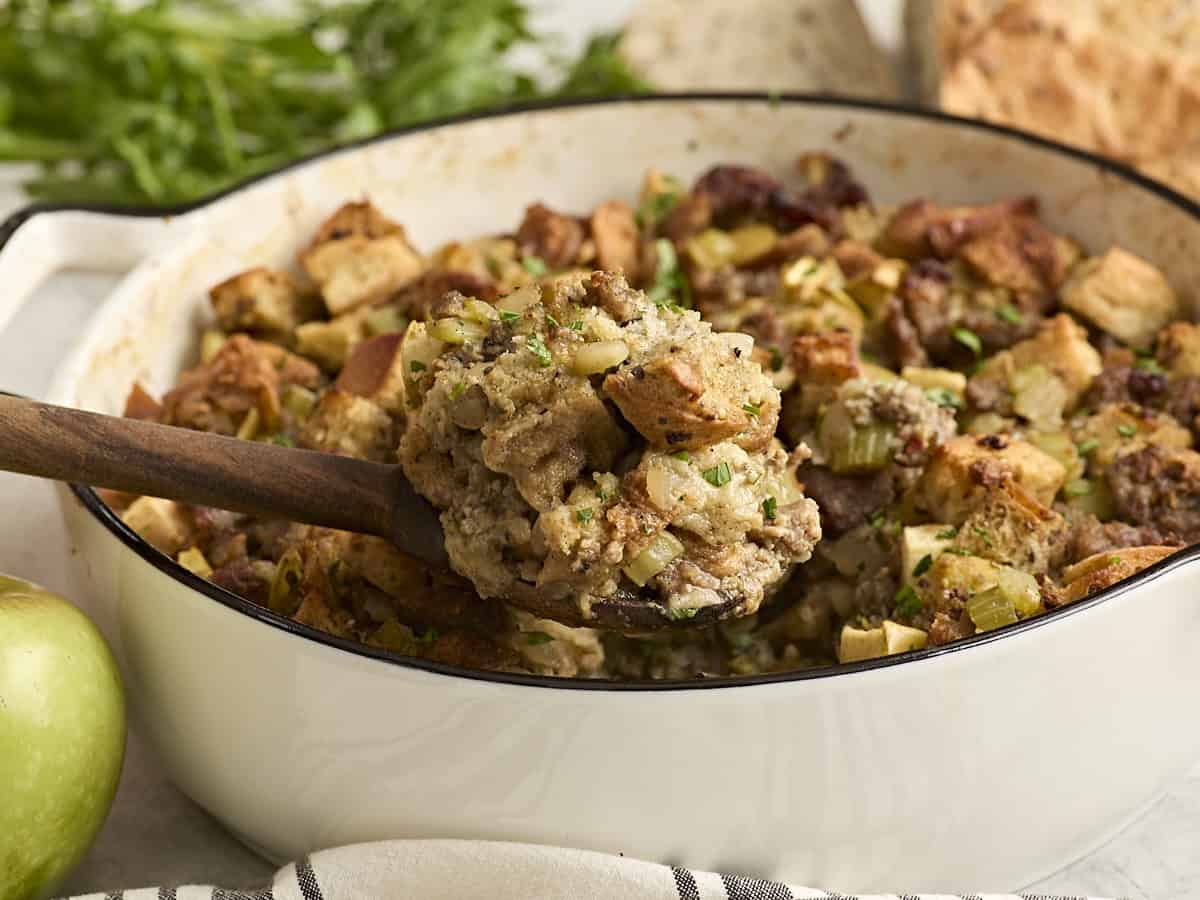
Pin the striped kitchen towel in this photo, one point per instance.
(466, 870)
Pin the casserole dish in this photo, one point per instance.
(991, 761)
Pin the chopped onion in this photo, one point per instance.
(657, 556)
(592, 359)
(479, 311)
(419, 349)
(751, 242)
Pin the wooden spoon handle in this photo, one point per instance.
(210, 470)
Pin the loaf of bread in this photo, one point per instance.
(781, 45)
(1121, 77)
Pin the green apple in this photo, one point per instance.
(62, 737)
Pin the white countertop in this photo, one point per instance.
(155, 835)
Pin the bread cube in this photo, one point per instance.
(162, 523)
(1122, 294)
(1106, 568)
(348, 425)
(375, 370)
(261, 301)
(1179, 348)
(965, 469)
(1118, 428)
(1012, 528)
(360, 256)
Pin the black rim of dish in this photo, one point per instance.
(92, 502)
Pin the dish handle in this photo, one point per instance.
(38, 241)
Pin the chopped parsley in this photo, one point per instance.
(537, 637)
(752, 409)
(982, 534)
(770, 507)
(657, 207)
(283, 440)
(947, 534)
(1126, 431)
(577, 325)
(458, 390)
(776, 359)
(1087, 446)
(416, 366)
(509, 317)
(428, 636)
(718, 475)
(1149, 365)
(908, 602)
(583, 516)
(534, 265)
(552, 322)
(969, 339)
(684, 612)
(1010, 314)
(924, 564)
(944, 397)
(669, 280)
(682, 456)
(1114, 560)
(877, 519)
(539, 350)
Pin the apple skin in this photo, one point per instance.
(62, 737)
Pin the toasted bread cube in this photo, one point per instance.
(360, 256)
(1179, 348)
(261, 301)
(1118, 428)
(1012, 528)
(162, 523)
(348, 425)
(966, 468)
(1061, 346)
(330, 343)
(1106, 568)
(375, 370)
(1122, 294)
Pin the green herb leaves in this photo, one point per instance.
(540, 351)
(969, 339)
(719, 475)
(175, 99)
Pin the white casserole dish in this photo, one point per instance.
(989, 763)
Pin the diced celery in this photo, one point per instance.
(936, 379)
(750, 242)
(193, 560)
(712, 248)
(899, 638)
(1021, 589)
(298, 401)
(249, 427)
(1059, 445)
(210, 343)
(867, 448)
(284, 594)
(873, 372)
(385, 320)
(392, 635)
(454, 330)
(991, 609)
(857, 643)
(1090, 495)
(657, 555)
(480, 311)
(592, 359)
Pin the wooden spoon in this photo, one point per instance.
(263, 479)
